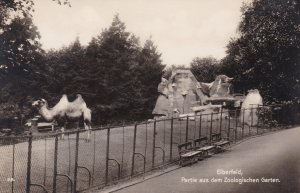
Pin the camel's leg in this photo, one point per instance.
(62, 136)
(88, 128)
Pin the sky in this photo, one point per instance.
(181, 29)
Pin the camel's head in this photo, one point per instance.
(39, 103)
(252, 91)
(223, 79)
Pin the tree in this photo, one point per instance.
(149, 73)
(68, 71)
(21, 57)
(267, 52)
(116, 53)
(205, 69)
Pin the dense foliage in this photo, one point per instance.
(116, 76)
(205, 69)
(20, 58)
(267, 53)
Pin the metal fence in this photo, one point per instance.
(50, 164)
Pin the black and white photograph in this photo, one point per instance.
(149, 96)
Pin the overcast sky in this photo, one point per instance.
(181, 29)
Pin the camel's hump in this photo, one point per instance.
(79, 96)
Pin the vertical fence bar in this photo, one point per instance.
(28, 178)
(207, 123)
(228, 131)
(210, 129)
(271, 115)
(76, 161)
(283, 113)
(153, 145)
(13, 169)
(164, 141)
(236, 125)
(221, 118)
(179, 130)
(200, 125)
(263, 121)
(171, 140)
(146, 142)
(251, 110)
(243, 124)
(55, 163)
(45, 163)
(187, 129)
(107, 155)
(195, 119)
(69, 169)
(123, 147)
(94, 156)
(133, 151)
(258, 118)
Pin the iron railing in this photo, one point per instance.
(47, 163)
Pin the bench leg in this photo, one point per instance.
(188, 161)
(223, 148)
(206, 154)
(201, 156)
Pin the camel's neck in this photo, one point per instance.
(46, 113)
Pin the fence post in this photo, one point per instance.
(187, 129)
(263, 121)
(210, 129)
(69, 168)
(13, 169)
(221, 118)
(28, 180)
(123, 145)
(200, 125)
(153, 147)
(236, 125)
(133, 151)
(179, 130)
(94, 156)
(251, 109)
(164, 141)
(258, 117)
(228, 132)
(283, 113)
(271, 114)
(243, 125)
(107, 156)
(76, 161)
(171, 140)
(55, 163)
(45, 163)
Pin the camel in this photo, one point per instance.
(221, 86)
(250, 107)
(65, 110)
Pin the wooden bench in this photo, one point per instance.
(201, 144)
(219, 142)
(187, 154)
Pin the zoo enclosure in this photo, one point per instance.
(49, 164)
